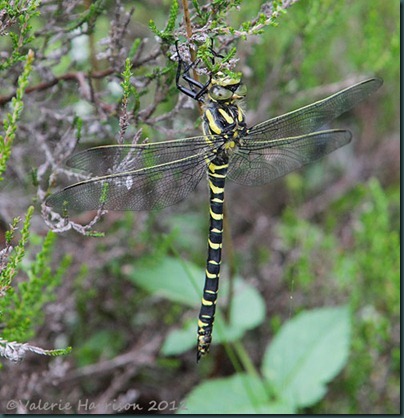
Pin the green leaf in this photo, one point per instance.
(238, 394)
(180, 340)
(182, 282)
(174, 280)
(247, 312)
(308, 352)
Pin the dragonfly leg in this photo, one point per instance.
(196, 89)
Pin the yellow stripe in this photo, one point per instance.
(207, 160)
(240, 113)
(216, 216)
(215, 189)
(213, 245)
(213, 167)
(217, 231)
(212, 124)
(206, 302)
(202, 324)
(218, 176)
(228, 118)
(210, 275)
(217, 200)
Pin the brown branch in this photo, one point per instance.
(188, 27)
(76, 76)
(143, 353)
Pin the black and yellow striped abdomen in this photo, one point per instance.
(216, 179)
(228, 122)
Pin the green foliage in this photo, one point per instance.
(314, 344)
(304, 356)
(126, 84)
(206, 54)
(18, 16)
(219, 16)
(202, 15)
(308, 352)
(22, 306)
(11, 263)
(312, 247)
(129, 90)
(373, 282)
(89, 16)
(375, 254)
(326, 41)
(166, 34)
(377, 47)
(368, 272)
(78, 124)
(162, 276)
(135, 46)
(349, 253)
(10, 123)
(237, 394)
(374, 241)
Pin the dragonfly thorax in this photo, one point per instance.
(226, 121)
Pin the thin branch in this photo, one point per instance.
(77, 76)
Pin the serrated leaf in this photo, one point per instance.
(307, 353)
(238, 394)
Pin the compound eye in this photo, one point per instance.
(241, 90)
(220, 93)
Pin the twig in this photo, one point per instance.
(76, 76)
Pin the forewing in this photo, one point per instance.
(113, 159)
(314, 116)
(268, 160)
(144, 189)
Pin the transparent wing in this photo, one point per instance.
(265, 161)
(152, 186)
(113, 159)
(155, 175)
(312, 117)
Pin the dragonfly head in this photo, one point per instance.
(226, 89)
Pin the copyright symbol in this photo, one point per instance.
(12, 404)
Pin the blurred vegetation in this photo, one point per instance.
(316, 254)
(21, 304)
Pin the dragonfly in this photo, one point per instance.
(154, 175)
